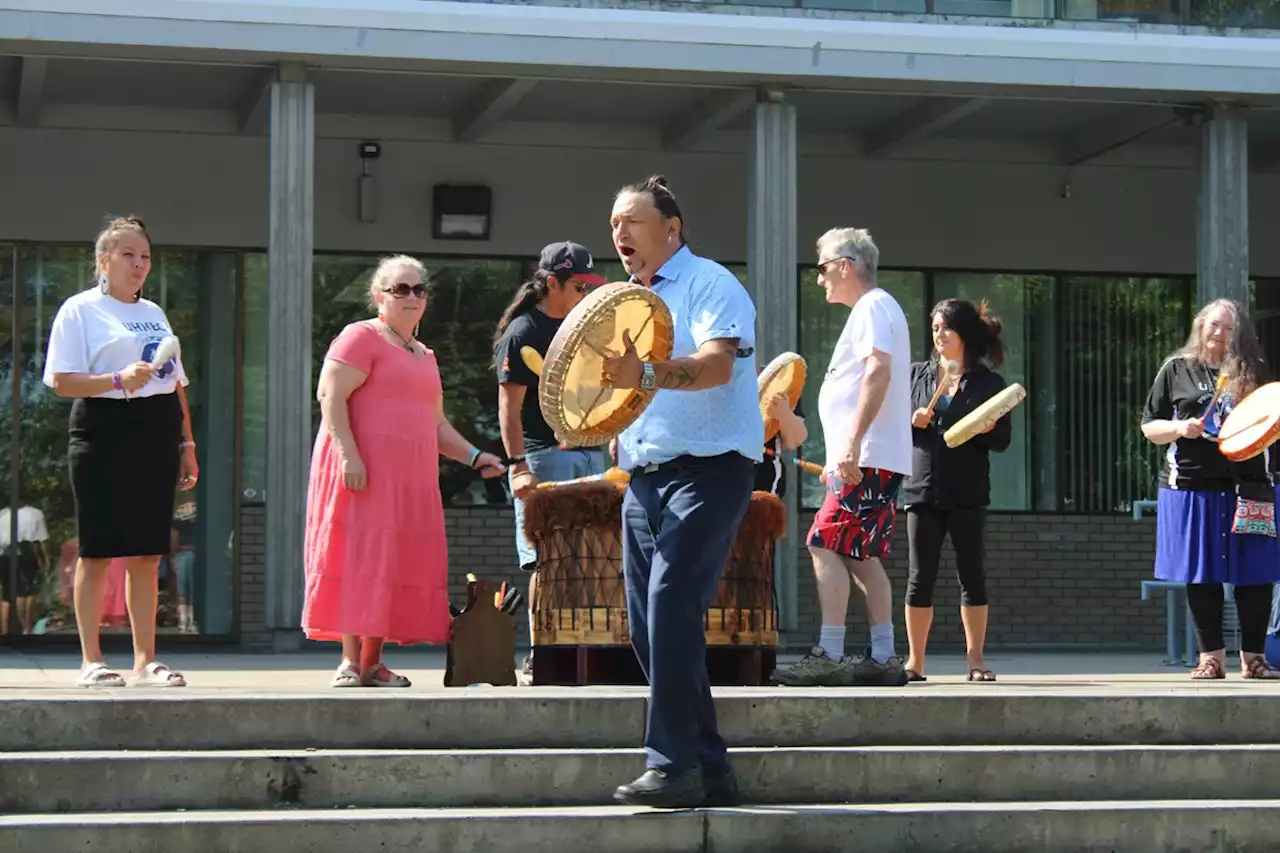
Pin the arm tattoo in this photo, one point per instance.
(686, 376)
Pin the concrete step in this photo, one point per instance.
(612, 717)
(1241, 826)
(326, 779)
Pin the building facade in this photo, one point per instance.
(1093, 171)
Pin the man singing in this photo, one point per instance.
(691, 456)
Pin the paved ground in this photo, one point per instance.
(42, 673)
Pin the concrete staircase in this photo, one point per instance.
(937, 769)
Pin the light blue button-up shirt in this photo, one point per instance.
(707, 302)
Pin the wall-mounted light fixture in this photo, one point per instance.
(461, 212)
(366, 189)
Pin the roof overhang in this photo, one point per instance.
(807, 50)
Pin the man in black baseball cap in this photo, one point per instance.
(531, 320)
(569, 259)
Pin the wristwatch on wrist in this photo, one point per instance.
(648, 380)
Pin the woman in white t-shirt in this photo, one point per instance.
(130, 441)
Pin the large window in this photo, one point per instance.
(468, 296)
(1086, 348)
(197, 292)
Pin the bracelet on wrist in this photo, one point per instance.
(517, 459)
(184, 445)
(115, 381)
(471, 460)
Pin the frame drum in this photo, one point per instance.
(1253, 425)
(582, 409)
(784, 375)
(985, 415)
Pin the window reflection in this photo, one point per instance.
(467, 297)
(1012, 298)
(195, 594)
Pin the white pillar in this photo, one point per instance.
(1222, 235)
(772, 274)
(292, 152)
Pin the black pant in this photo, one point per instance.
(1253, 607)
(927, 527)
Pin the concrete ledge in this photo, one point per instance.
(324, 779)
(1135, 827)
(602, 718)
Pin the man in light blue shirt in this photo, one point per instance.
(691, 455)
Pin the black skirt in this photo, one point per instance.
(125, 461)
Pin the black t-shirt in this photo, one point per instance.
(532, 329)
(1182, 391)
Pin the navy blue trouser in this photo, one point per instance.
(678, 526)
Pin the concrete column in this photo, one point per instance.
(292, 155)
(1222, 233)
(772, 275)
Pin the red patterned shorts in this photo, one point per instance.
(859, 522)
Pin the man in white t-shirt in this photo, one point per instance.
(865, 409)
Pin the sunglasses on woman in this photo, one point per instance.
(400, 291)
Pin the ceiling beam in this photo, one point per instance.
(494, 102)
(30, 95)
(1102, 137)
(709, 116)
(255, 108)
(918, 124)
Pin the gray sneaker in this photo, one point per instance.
(868, 672)
(816, 669)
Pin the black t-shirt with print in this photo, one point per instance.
(1181, 391)
(532, 329)
(771, 475)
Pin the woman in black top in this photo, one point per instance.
(1215, 519)
(949, 488)
(771, 476)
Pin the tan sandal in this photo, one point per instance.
(1209, 669)
(1259, 668)
(380, 676)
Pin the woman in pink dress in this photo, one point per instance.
(376, 557)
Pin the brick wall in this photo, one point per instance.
(1051, 579)
(253, 579)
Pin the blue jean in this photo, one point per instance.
(679, 523)
(552, 465)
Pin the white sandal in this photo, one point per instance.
(98, 674)
(156, 674)
(346, 676)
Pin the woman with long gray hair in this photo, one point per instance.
(1205, 499)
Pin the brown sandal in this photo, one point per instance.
(1259, 668)
(1209, 668)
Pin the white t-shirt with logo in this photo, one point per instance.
(876, 321)
(96, 333)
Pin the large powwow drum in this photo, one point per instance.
(580, 596)
(1253, 425)
(784, 375)
(985, 415)
(582, 409)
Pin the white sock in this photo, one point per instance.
(882, 642)
(831, 638)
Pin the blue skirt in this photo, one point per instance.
(1194, 542)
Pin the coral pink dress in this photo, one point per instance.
(376, 559)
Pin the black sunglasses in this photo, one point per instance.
(400, 291)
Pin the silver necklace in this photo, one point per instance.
(407, 345)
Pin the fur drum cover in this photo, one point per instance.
(599, 504)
